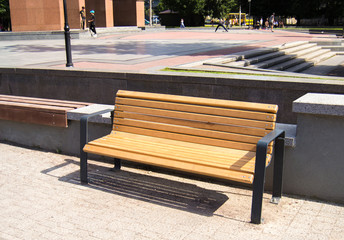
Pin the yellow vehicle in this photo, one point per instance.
(234, 19)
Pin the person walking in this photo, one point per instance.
(261, 23)
(220, 24)
(272, 22)
(92, 23)
(182, 23)
(83, 18)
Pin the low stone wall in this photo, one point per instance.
(314, 147)
(100, 87)
(315, 166)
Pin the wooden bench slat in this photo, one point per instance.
(42, 103)
(202, 125)
(245, 158)
(182, 166)
(198, 109)
(36, 117)
(243, 162)
(197, 147)
(36, 110)
(199, 101)
(40, 100)
(173, 154)
(196, 117)
(187, 130)
(35, 107)
(189, 138)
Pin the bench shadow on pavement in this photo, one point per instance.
(164, 192)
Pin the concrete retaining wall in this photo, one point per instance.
(315, 166)
(314, 159)
(100, 87)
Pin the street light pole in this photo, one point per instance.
(150, 13)
(249, 12)
(67, 37)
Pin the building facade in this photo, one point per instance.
(48, 15)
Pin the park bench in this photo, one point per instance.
(225, 139)
(36, 110)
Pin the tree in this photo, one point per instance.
(220, 8)
(5, 17)
(191, 10)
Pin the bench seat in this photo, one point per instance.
(42, 111)
(220, 162)
(231, 140)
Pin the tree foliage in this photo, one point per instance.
(5, 17)
(220, 8)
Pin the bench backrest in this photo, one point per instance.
(224, 123)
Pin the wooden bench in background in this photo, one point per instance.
(36, 110)
(219, 138)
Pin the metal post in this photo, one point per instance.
(278, 170)
(249, 12)
(67, 37)
(83, 155)
(240, 16)
(150, 13)
(258, 183)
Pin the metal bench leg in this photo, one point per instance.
(83, 167)
(258, 185)
(278, 170)
(117, 163)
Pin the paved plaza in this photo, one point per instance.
(41, 197)
(144, 51)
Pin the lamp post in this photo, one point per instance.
(67, 37)
(150, 13)
(249, 12)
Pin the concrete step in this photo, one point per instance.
(274, 61)
(299, 48)
(307, 51)
(264, 57)
(300, 67)
(230, 59)
(291, 45)
(334, 48)
(328, 42)
(250, 54)
(256, 59)
(288, 64)
(312, 55)
(323, 57)
(241, 63)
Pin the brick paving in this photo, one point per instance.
(41, 198)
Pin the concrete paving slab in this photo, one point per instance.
(141, 51)
(41, 198)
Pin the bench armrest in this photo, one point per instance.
(259, 172)
(264, 141)
(84, 126)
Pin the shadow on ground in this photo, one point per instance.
(164, 192)
(338, 71)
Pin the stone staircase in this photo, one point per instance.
(290, 57)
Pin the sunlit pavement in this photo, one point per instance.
(142, 51)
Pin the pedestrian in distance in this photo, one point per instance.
(261, 23)
(92, 23)
(83, 18)
(220, 24)
(272, 22)
(182, 23)
(267, 24)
